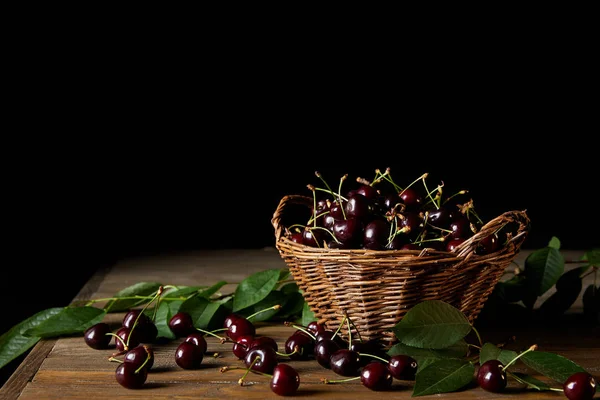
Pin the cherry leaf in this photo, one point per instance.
(554, 243)
(13, 343)
(443, 376)
(255, 288)
(592, 257)
(127, 296)
(529, 381)
(552, 365)
(308, 315)
(424, 357)
(214, 314)
(543, 267)
(164, 313)
(490, 351)
(432, 324)
(206, 293)
(71, 320)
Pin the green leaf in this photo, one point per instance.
(181, 293)
(529, 381)
(284, 274)
(308, 315)
(424, 357)
(443, 376)
(255, 288)
(212, 290)
(138, 289)
(552, 365)
(568, 287)
(13, 343)
(213, 313)
(71, 320)
(554, 243)
(272, 299)
(194, 306)
(490, 351)
(592, 257)
(293, 305)
(164, 313)
(543, 267)
(290, 288)
(432, 324)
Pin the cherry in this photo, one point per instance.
(460, 227)
(368, 191)
(198, 339)
(453, 244)
(188, 355)
(285, 380)
(488, 244)
(330, 335)
(296, 237)
(377, 231)
(580, 386)
(314, 327)
(345, 362)
(439, 217)
(129, 376)
(323, 350)
(411, 198)
(312, 237)
(138, 356)
(181, 324)
(358, 207)
(97, 336)
(376, 376)
(241, 326)
(267, 359)
(370, 347)
(128, 338)
(403, 367)
(299, 346)
(131, 316)
(145, 327)
(411, 223)
(348, 231)
(491, 376)
(241, 346)
(264, 340)
(230, 319)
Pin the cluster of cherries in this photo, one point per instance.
(381, 215)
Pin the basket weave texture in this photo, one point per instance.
(375, 288)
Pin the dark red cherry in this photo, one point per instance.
(264, 340)
(241, 346)
(128, 338)
(397, 242)
(241, 327)
(230, 319)
(453, 244)
(403, 367)
(460, 227)
(358, 207)
(491, 377)
(299, 346)
(376, 376)
(372, 347)
(411, 198)
(488, 244)
(98, 336)
(296, 237)
(330, 335)
(188, 355)
(261, 358)
(410, 223)
(439, 218)
(314, 327)
(368, 191)
(345, 362)
(323, 351)
(348, 231)
(285, 380)
(130, 377)
(131, 316)
(335, 210)
(377, 231)
(146, 330)
(181, 324)
(138, 356)
(580, 386)
(313, 237)
(198, 339)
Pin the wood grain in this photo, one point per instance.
(66, 368)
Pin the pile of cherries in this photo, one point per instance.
(381, 215)
(350, 358)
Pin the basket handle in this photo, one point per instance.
(277, 215)
(519, 217)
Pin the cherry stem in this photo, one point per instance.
(532, 348)
(355, 327)
(148, 357)
(117, 337)
(342, 179)
(113, 359)
(478, 335)
(296, 351)
(327, 381)
(241, 380)
(455, 194)
(349, 332)
(221, 338)
(422, 177)
(275, 307)
(300, 328)
(374, 356)
(340, 325)
(318, 174)
(135, 323)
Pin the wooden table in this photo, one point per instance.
(67, 368)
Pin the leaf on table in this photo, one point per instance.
(490, 351)
(290, 288)
(13, 343)
(181, 293)
(255, 288)
(543, 267)
(293, 305)
(71, 320)
(443, 376)
(194, 306)
(529, 381)
(125, 302)
(432, 324)
(206, 293)
(568, 288)
(424, 357)
(164, 313)
(308, 315)
(552, 365)
(214, 314)
(592, 257)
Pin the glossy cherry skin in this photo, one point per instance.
(145, 327)
(138, 355)
(372, 347)
(460, 227)
(345, 362)
(181, 324)
(403, 367)
(453, 244)
(376, 376)
(198, 339)
(368, 191)
(230, 319)
(358, 207)
(126, 334)
(348, 231)
(127, 376)
(330, 335)
(299, 346)
(376, 231)
(266, 362)
(314, 327)
(97, 336)
(323, 351)
(241, 327)
(490, 376)
(264, 340)
(411, 198)
(580, 386)
(131, 316)
(241, 346)
(285, 380)
(488, 245)
(188, 356)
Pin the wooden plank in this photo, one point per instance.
(67, 368)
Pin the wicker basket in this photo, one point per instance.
(376, 288)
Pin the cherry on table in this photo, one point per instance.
(241, 326)
(314, 327)
(138, 356)
(491, 376)
(285, 380)
(345, 362)
(198, 339)
(263, 340)
(580, 386)
(299, 346)
(376, 376)
(403, 367)
(128, 375)
(181, 324)
(241, 346)
(323, 350)
(98, 336)
(188, 355)
(261, 358)
(132, 315)
(128, 338)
